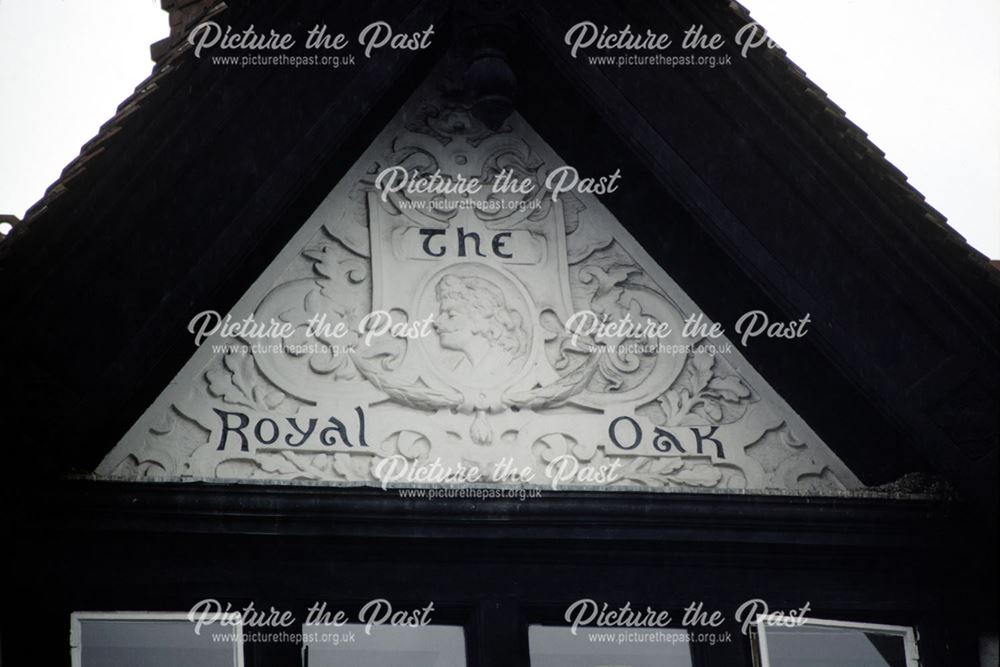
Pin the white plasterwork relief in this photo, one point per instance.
(478, 365)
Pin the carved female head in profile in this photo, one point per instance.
(475, 319)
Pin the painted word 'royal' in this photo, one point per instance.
(294, 432)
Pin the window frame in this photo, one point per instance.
(359, 627)
(695, 660)
(907, 633)
(76, 630)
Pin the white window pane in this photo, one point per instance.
(386, 646)
(817, 646)
(556, 646)
(152, 643)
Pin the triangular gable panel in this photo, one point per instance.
(467, 369)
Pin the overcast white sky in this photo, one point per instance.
(65, 65)
(921, 77)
